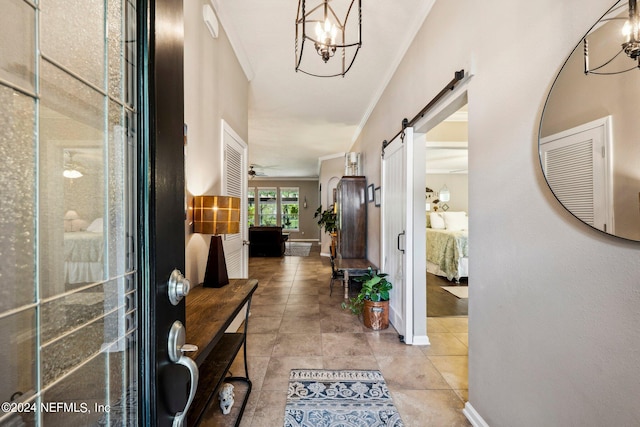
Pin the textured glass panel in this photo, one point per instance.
(73, 34)
(122, 392)
(18, 355)
(116, 299)
(130, 54)
(61, 356)
(132, 217)
(17, 177)
(64, 314)
(116, 47)
(117, 146)
(17, 43)
(71, 209)
(84, 392)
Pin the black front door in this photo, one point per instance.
(165, 383)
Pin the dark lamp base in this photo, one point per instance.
(215, 276)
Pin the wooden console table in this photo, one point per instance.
(210, 311)
(353, 267)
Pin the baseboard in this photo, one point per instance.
(421, 340)
(325, 254)
(473, 416)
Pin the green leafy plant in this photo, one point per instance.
(327, 219)
(375, 287)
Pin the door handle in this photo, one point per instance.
(176, 349)
(246, 242)
(178, 287)
(401, 234)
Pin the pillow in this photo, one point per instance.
(437, 221)
(456, 221)
(96, 226)
(78, 224)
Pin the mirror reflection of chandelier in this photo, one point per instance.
(631, 30)
(337, 29)
(630, 46)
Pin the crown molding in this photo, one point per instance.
(236, 44)
(422, 14)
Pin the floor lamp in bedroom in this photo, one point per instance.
(217, 215)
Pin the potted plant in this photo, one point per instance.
(372, 301)
(328, 220)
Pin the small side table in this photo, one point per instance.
(353, 267)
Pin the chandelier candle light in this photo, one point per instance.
(332, 34)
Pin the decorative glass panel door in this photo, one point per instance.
(67, 221)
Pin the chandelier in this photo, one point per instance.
(630, 46)
(322, 27)
(631, 30)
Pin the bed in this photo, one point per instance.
(448, 245)
(84, 254)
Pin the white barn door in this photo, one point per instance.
(403, 236)
(234, 183)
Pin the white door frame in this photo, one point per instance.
(448, 105)
(242, 237)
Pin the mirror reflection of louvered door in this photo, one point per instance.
(234, 183)
(575, 164)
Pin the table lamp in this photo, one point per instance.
(216, 215)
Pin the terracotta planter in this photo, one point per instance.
(375, 315)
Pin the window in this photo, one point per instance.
(267, 207)
(251, 207)
(289, 208)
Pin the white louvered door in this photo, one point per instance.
(575, 163)
(234, 183)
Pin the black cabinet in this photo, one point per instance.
(351, 201)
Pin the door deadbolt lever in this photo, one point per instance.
(178, 287)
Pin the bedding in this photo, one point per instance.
(83, 257)
(448, 249)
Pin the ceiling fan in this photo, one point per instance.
(253, 173)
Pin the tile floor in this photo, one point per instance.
(295, 323)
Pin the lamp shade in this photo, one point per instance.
(216, 214)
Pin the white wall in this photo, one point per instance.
(215, 88)
(554, 305)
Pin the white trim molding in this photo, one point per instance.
(473, 416)
(420, 340)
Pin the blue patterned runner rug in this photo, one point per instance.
(351, 398)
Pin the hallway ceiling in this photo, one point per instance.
(294, 118)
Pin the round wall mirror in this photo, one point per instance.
(590, 128)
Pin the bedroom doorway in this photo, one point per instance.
(446, 207)
(443, 131)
